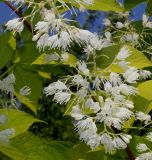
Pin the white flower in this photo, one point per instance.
(87, 130)
(82, 92)
(127, 90)
(55, 24)
(123, 113)
(78, 79)
(116, 92)
(5, 134)
(82, 36)
(123, 64)
(131, 37)
(24, 91)
(108, 87)
(145, 19)
(149, 136)
(108, 35)
(84, 2)
(119, 25)
(118, 98)
(83, 68)
(53, 41)
(96, 83)
(144, 74)
(62, 97)
(119, 143)
(64, 57)
(145, 156)
(96, 42)
(49, 16)
(15, 24)
(51, 57)
(123, 53)
(106, 140)
(42, 27)
(128, 104)
(115, 79)
(36, 36)
(7, 84)
(3, 119)
(142, 147)
(55, 87)
(143, 117)
(126, 138)
(18, 1)
(60, 85)
(94, 141)
(76, 113)
(149, 25)
(131, 75)
(113, 122)
(86, 124)
(43, 41)
(92, 105)
(89, 50)
(88, 2)
(146, 22)
(65, 40)
(107, 22)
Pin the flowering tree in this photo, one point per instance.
(104, 80)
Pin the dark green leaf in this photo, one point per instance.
(32, 80)
(6, 51)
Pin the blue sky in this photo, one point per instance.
(6, 14)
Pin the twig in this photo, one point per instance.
(26, 23)
(130, 153)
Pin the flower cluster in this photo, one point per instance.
(101, 105)
(54, 32)
(7, 84)
(99, 101)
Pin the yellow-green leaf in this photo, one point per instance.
(18, 120)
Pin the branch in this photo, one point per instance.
(130, 153)
(26, 23)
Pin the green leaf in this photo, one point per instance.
(149, 8)
(12, 42)
(18, 120)
(107, 56)
(138, 59)
(6, 50)
(103, 5)
(70, 105)
(31, 79)
(29, 147)
(42, 60)
(71, 60)
(83, 152)
(106, 5)
(129, 4)
(143, 102)
(44, 74)
(27, 53)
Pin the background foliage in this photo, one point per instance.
(42, 130)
